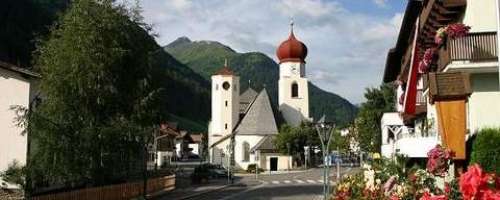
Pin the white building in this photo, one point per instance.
(17, 88)
(475, 56)
(249, 120)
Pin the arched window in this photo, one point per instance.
(295, 90)
(246, 151)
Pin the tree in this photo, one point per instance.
(379, 101)
(99, 104)
(296, 138)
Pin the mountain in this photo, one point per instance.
(256, 70)
(186, 97)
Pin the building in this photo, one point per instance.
(18, 87)
(245, 125)
(459, 93)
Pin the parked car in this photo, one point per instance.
(215, 170)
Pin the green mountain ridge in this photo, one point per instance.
(186, 98)
(256, 70)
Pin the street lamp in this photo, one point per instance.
(230, 163)
(325, 135)
(288, 151)
(306, 154)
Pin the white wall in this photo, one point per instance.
(15, 90)
(481, 15)
(284, 161)
(238, 150)
(482, 105)
(295, 109)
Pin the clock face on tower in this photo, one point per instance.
(295, 69)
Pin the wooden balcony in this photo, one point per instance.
(475, 47)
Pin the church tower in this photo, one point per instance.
(225, 104)
(293, 88)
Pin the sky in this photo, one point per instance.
(347, 40)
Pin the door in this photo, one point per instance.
(274, 164)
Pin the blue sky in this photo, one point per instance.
(347, 40)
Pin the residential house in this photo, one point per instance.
(18, 87)
(459, 94)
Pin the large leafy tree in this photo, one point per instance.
(99, 104)
(291, 140)
(378, 101)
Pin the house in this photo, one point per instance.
(244, 125)
(458, 94)
(18, 87)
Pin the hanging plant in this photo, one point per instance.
(438, 160)
(425, 63)
(450, 32)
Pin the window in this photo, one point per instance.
(216, 86)
(226, 103)
(246, 151)
(226, 126)
(295, 90)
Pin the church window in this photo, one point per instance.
(234, 87)
(226, 103)
(295, 90)
(225, 126)
(246, 151)
(216, 86)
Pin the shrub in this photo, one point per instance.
(251, 168)
(486, 149)
(200, 173)
(15, 174)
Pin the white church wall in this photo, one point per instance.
(252, 140)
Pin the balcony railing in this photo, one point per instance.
(421, 100)
(474, 47)
(415, 135)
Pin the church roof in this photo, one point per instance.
(246, 99)
(266, 144)
(259, 119)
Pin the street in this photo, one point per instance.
(283, 185)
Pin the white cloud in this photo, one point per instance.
(347, 50)
(381, 3)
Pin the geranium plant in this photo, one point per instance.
(438, 160)
(450, 32)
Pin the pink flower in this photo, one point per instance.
(437, 162)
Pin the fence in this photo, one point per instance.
(124, 191)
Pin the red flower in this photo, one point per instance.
(428, 196)
(471, 181)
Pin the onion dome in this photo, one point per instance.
(225, 70)
(291, 50)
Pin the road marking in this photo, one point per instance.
(287, 181)
(299, 181)
(311, 181)
(321, 181)
(265, 182)
(276, 182)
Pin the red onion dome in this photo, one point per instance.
(292, 50)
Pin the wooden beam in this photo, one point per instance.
(454, 3)
(441, 9)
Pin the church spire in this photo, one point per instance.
(225, 70)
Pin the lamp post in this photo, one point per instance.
(325, 135)
(256, 165)
(288, 151)
(230, 150)
(306, 154)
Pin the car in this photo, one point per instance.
(216, 170)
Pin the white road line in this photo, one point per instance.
(321, 181)
(265, 182)
(276, 182)
(299, 181)
(311, 181)
(287, 181)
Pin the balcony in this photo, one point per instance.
(476, 53)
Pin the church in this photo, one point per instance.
(243, 126)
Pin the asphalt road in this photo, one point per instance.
(302, 185)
